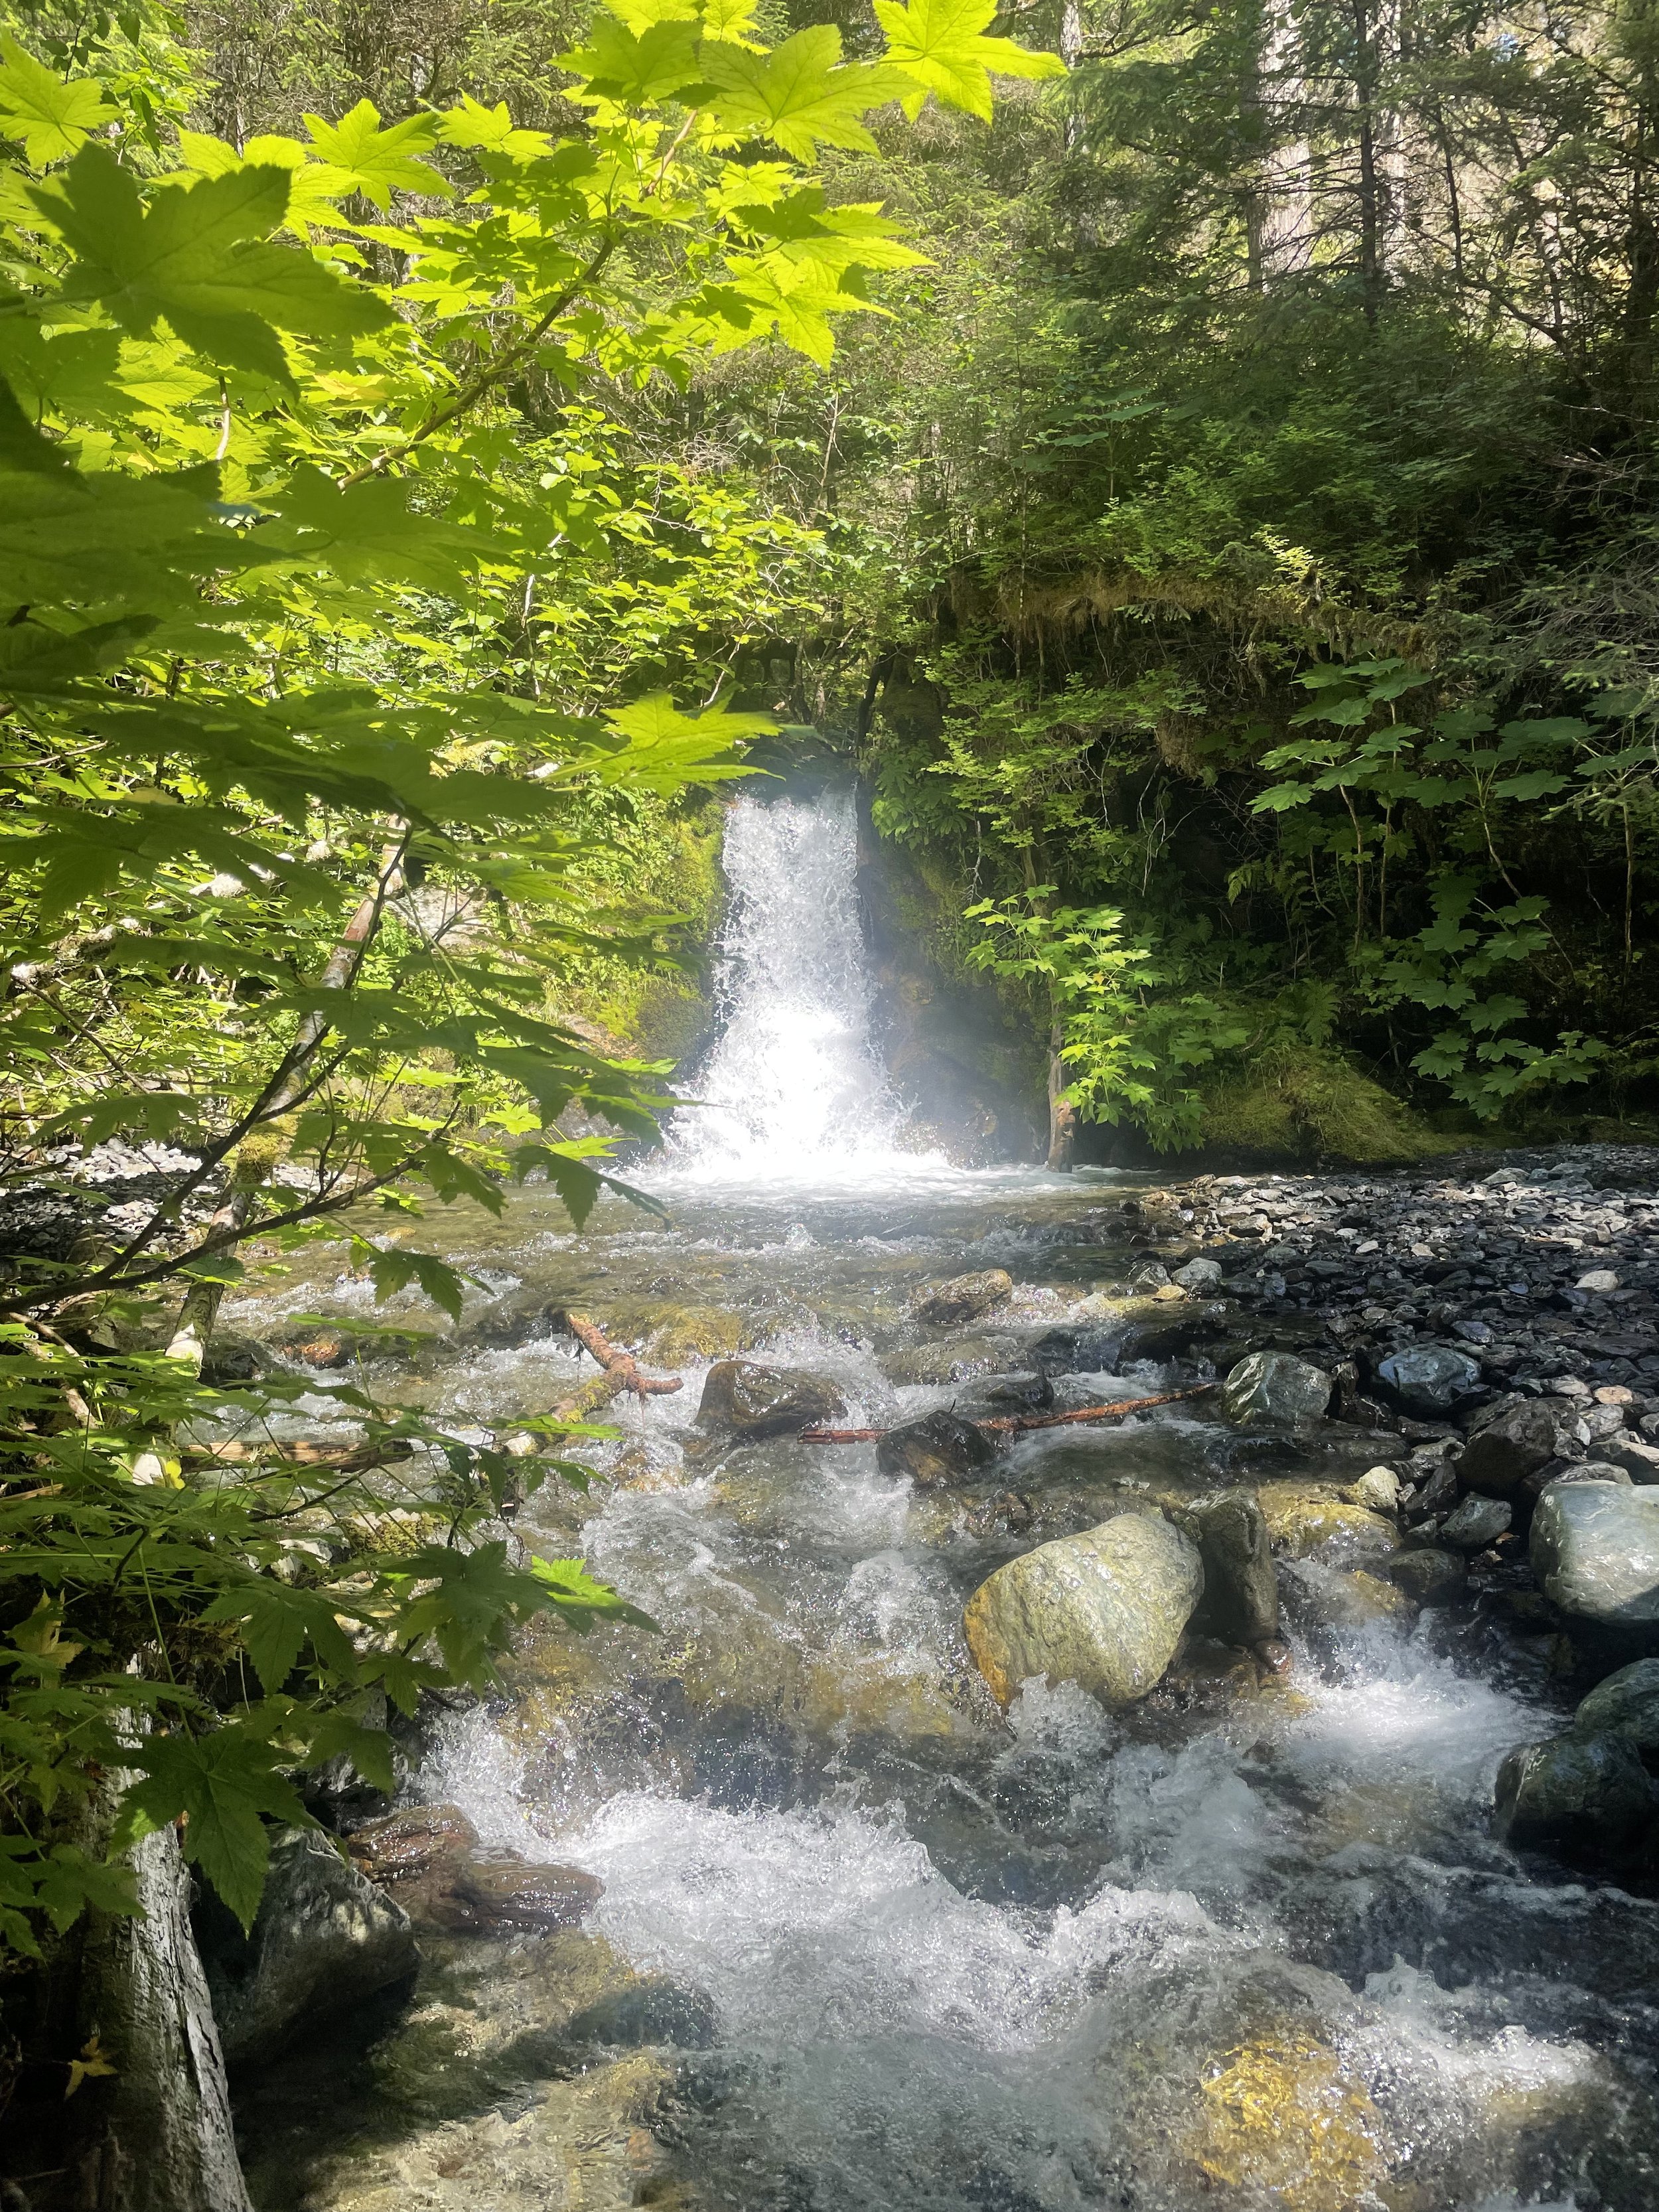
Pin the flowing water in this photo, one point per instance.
(871, 1945)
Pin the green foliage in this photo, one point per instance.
(343, 633)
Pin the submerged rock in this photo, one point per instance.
(1335, 1598)
(1274, 1389)
(1241, 1588)
(1429, 1380)
(746, 1401)
(965, 1297)
(938, 1450)
(324, 1940)
(955, 1360)
(1105, 1610)
(694, 1332)
(1595, 1548)
(1586, 1795)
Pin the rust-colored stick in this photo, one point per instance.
(1006, 1423)
(591, 1338)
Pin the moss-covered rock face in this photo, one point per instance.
(1297, 1104)
(694, 1332)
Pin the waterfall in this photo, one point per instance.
(795, 1085)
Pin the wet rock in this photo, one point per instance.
(324, 1940)
(957, 1360)
(1586, 1796)
(655, 2011)
(1523, 1436)
(499, 1895)
(229, 1360)
(1595, 1548)
(1198, 1276)
(1429, 1380)
(746, 1401)
(411, 1841)
(319, 1347)
(939, 1450)
(694, 1332)
(1625, 1705)
(965, 1297)
(1241, 1588)
(1023, 1394)
(1157, 1331)
(1342, 1598)
(1274, 1389)
(1105, 1610)
(1074, 1348)
(1377, 1490)
(1477, 1522)
(1431, 1577)
(1303, 1517)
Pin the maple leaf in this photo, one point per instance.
(800, 95)
(360, 156)
(51, 118)
(938, 45)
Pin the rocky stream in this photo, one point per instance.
(1247, 1800)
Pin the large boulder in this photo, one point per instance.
(746, 1402)
(1241, 1586)
(936, 1450)
(1625, 1705)
(1587, 1796)
(1595, 1549)
(1105, 1610)
(965, 1297)
(325, 1939)
(1430, 1381)
(1523, 1436)
(1274, 1389)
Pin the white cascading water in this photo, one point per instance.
(795, 1087)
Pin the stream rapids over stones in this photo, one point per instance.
(867, 1942)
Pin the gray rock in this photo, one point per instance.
(325, 1939)
(1595, 1548)
(955, 1360)
(1199, 1275)
(1072, 1348)
(1625, 1705)
(1476, 1522)
(507, 1893)
(1639, 1461)
(1522, 1436)
(1105, 1609)
(965, 1297)
(1377, 1490)
(1429, 1575)
(1275, 1389)
(1586, 1796)
(1429, 1380)
(936, 1450)
(1019, 1393)
(1241, 1588)
(746, 1401)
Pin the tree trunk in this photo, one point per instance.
(160, 2139)
(1062, 1114)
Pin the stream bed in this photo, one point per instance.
(866, 1942)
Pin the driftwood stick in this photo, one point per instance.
(622, 1372)
(1007, 1424)
(302, 1452)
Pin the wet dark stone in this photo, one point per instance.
(1429, 1380)
(744, 1400)
(657, 2011)
(939, 1450)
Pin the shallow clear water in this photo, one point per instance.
(1249, 1944)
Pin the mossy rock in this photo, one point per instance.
(1284, 2117)
(1305, 1518)
(708, 1333)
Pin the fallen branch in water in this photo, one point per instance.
(1005, 1424)
(622, 1372)
(353, 1460)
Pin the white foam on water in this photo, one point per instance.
(829, 1926)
